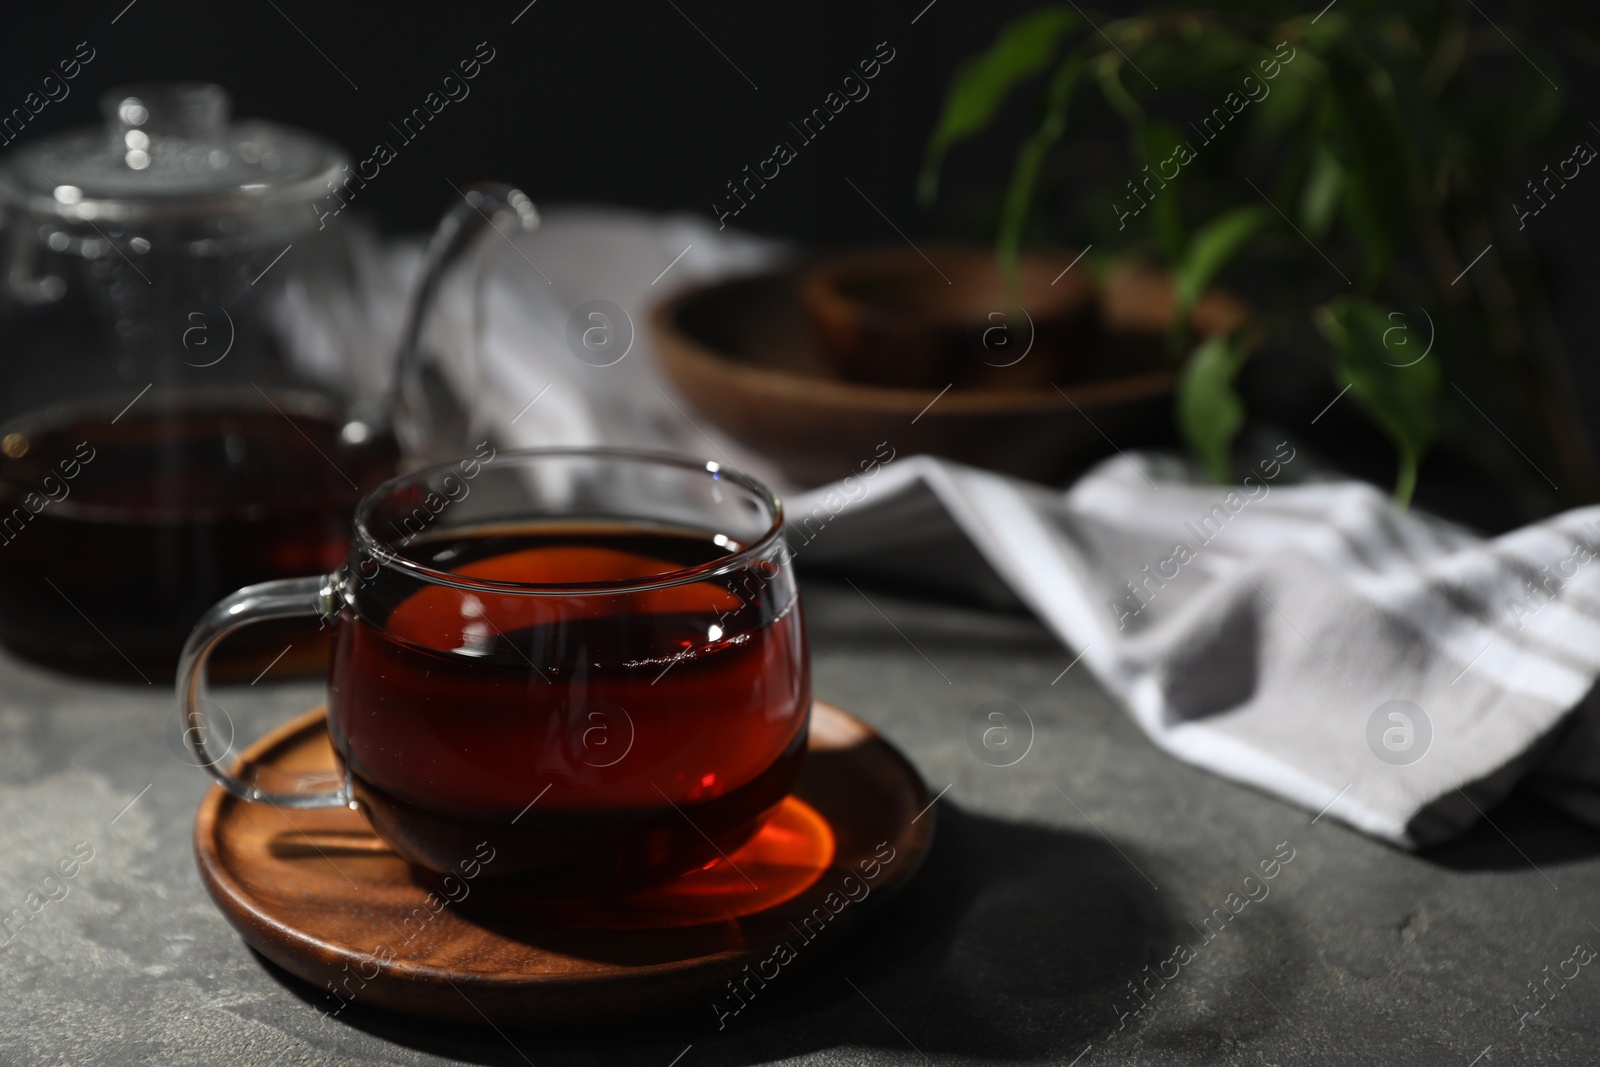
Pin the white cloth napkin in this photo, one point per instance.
(1263, 630)
(1271, 628)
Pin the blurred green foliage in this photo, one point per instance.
(1366, 151)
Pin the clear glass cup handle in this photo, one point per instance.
(287, 598)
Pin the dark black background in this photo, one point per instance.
(658, 103)
(613, 103)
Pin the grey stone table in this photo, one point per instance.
(1053, 885)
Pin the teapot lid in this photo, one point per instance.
(169, 151)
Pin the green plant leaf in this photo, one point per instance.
(1381, 168)
(1025, 47)
(1290, 95)
(1322, 189)
(1398, 387)
(1212, 246)
(1157, 140)
(1025, 175)
(1108, 72)
(1210, 412)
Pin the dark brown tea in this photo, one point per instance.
(118, 532)
(598, 742)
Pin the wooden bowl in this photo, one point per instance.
(890, 316)
(741, 352)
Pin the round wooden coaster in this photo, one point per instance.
(320, 895)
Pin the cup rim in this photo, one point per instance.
(387, 556)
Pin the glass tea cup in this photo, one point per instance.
(591, 660)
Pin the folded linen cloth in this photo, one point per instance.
(1387, 669)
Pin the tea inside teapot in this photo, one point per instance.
(114, 533)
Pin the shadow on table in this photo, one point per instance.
(1524, 830)
(1017, 942)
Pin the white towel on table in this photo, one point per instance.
(1261, 642)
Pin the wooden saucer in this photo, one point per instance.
(317, 893)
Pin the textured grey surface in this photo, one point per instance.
(1053, 883)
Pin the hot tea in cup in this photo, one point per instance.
(592, 661)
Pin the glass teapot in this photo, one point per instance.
(191, 394)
